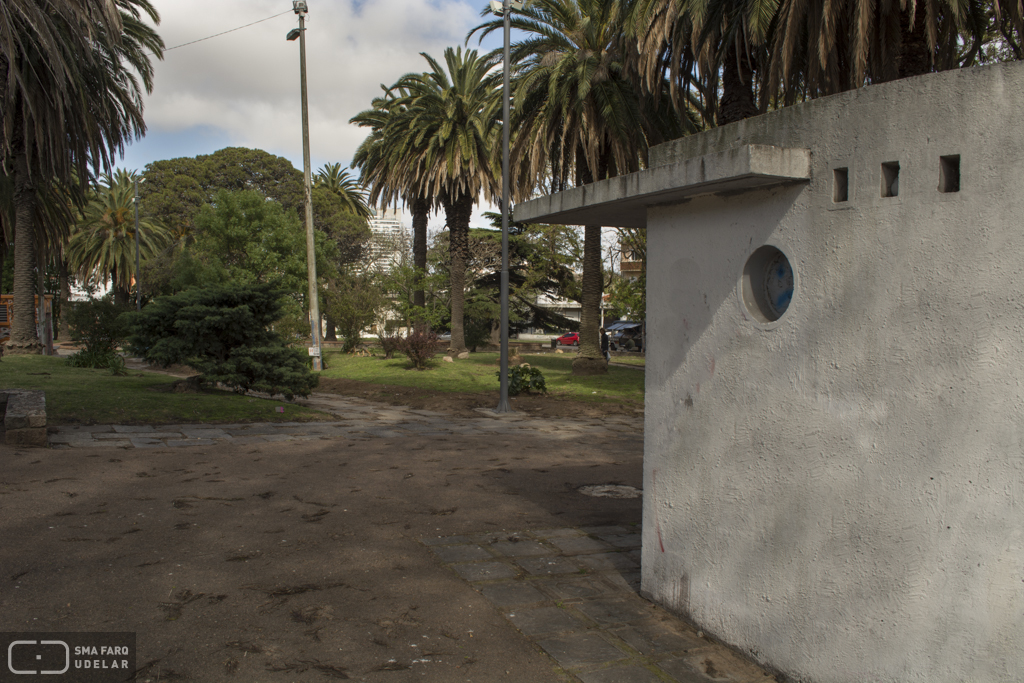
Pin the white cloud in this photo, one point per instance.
(247, 82)
(242, 88)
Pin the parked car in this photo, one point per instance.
(569, 339)
(622, 332)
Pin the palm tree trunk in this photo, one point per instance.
(915, 54)
(331, 327)
(590, 360)
(64, 331)
(457, 212)
(330, 332)
(24, 339)
(420, 212)
(737, 101)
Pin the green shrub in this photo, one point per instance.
(477, 332)
(95, 359)
(224, 333)
(98, 325)
(524, 378)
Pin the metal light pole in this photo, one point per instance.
(504, 7)
(314, 304)
(138, 271)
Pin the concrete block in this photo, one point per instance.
(27, 436)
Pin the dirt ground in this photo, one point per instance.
(294, 561)
(465, 405)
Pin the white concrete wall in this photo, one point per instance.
(840, 494)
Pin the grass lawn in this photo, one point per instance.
(86, 396)
(477, 374)
(635, 359)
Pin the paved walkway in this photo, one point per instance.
(574, 593)
(358, 420)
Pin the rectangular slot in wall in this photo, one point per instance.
(949, 173)
(890, 179)
(840, 185)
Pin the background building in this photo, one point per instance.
(390, 239)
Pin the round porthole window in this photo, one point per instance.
(767, 284)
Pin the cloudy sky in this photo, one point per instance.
(242, 89)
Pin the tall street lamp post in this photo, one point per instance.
(138, 272)
(504, 8)
(314, 305)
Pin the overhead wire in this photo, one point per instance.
(215, 35)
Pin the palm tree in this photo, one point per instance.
(389, 181)
(761, 53)
(452, 112)
(338, 181)
(103, 244)
(581, 116)
(71, 98)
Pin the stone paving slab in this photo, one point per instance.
(540, 620)
(483, 571)
(579, 544)
(145, 442)
(189, 442)
(603, 561)
(462, 553)
(594, 625)
(125, 429)
(512, 593)
(621, 674)
(578, 649)
(519, 548)
(548, 565)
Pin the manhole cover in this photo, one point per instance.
(610, 491)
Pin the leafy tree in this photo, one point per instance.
(355, 301)
(225, 333)
(175, 189)
(55, 58)
(244, 238)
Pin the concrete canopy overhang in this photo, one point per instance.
(623, 201)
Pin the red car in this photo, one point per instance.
(569, 339)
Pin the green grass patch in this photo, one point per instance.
(639, 361)
(88, 396)
(477, 375)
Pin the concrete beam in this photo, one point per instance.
(623, 201)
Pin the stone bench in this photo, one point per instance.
(24, 412)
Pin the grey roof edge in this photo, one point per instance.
(623, 201)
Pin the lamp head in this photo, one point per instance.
(498, 7)
(294, 33)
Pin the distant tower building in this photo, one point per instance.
(390, 239)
